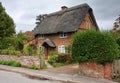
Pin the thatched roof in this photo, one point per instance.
(49, 43)
(64, 21)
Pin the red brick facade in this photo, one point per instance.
(96, 70)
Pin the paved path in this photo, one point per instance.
(65, 78)
(71, 69)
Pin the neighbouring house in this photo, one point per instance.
(55, 32)
(29, 33)
(31, 41)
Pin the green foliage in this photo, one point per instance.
(58, 64)
(20, 40)
(44, 66)
(64, 58)
(30, 50)
(116, 34)
(7, 29)
(40, 18)
(7, 26)
(117, 79)
(118, 41)
(10, 52)
(33, 66)
(53, 57)
(7, 42)
(94, 46)
(10, 63)
(59, 59)
(16, 64)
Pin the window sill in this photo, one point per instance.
(62, 37)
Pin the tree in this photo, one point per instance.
(7, 26)
(20, 40)
(40, 18)
(94, 46)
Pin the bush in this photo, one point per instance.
(53, 57)
(7, 42)
(94, 46)
(64, 58)
(33, 67)
(16, 64)
(30, 50)
(59, 59)
(10, 52)
(10, 63)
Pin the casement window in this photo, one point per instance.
(61, 49)
(63, 35)
(41, 36)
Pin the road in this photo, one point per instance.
(10, 77)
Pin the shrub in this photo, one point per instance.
(94, 46)
(33, 66)
(30, 50)
(16, 64)
(64, 57)
(10, 52)
(53, 57)
(10, 63)
(7, 42)
(59, 59)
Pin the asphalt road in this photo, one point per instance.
(10, 77)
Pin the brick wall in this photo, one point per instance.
(96, 70)
(26, 61)
(87, 22)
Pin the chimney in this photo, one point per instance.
(63, 8)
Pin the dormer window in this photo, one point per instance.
(41, 36)
(63, 35)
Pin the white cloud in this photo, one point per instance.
(24, 12)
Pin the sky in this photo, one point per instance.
(24, 12)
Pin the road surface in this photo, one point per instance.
(10, 77)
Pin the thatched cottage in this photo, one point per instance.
(55, 32)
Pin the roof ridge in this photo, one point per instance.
(69, 9)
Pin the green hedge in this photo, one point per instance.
(94, 46)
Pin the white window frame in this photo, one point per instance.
(41, 36)
(63, 35)
(61, 49)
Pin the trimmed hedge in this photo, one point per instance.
(94, 46)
